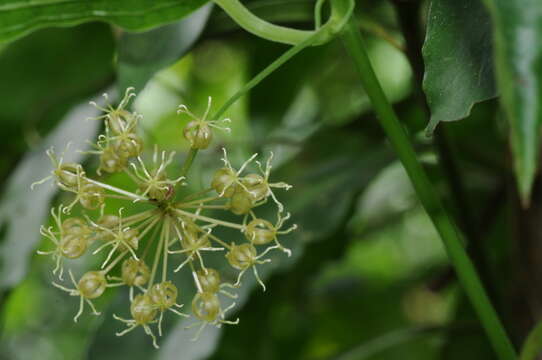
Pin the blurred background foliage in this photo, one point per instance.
(369, 278)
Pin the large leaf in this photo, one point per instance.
(458, 59)
(40, 83)
(19, 17)
(518, 59)
(142, 55)
(23, 211)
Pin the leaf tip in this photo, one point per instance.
(525, 180)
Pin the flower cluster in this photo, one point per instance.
(174, 228)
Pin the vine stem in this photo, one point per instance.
(188, 162)
(428, 197)
(281, 60)
(340, 12)
(250, 22)
(252, 83)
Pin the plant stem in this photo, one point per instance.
(291, 52)
(188, 162)
(407, 14)
(166, 246)
(156, 257)
(318, 13)
(340, 12)
(117, 190)
(428, 196)
(259, 27)
(248, 86)
(209, 220)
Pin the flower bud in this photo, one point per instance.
(129, 145)
(209, 281)
(242, 256)
(110, 161)
(73, 246)
(135, 272)
(130, 237)
(260, 232)
(224, 182)
(163, 295)
(199, 134)
(91, 196)
(206, 306)
(257, 186)
(120, 120)
(75, 226)
(108, 221)
(92, 284)
(241, 202)
(69, 175)
(143, 309)
(155, 188)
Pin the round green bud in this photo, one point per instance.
(206, 306)
(163, 295)
(108, 221)
(241, 202)
(110, 161)
(135, 272)
(92, 284)
(154, 189)
(209, 281)
(91, 196)
(198, 134)
(191, 239)
(260, 232)
(130, 237)
(69, 175)
(257, 186)
(129, 145)
(121, 121)
(242, 256)
(224, 182)
(73, 246)
(75, 226)
(143, 309)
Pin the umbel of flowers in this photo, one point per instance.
(176, 231)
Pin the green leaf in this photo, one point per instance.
(39, 85)
(458, 59)
(20, 17)
(533, 345)
(142, 55)
(518, 61)
(22, 211)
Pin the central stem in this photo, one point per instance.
(428, 197)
